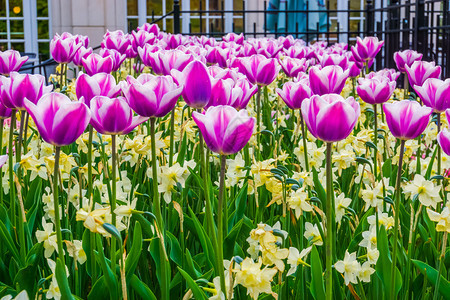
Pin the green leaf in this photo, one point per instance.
(7, 240)
(141, 288)
(86, 244)
(205, 241)
(111, 229)
(61, 278)
(196, 290)
(110, 277)
(317, 287)
(432, 275)
(319, 188)
(99, 290)
(230, 240)
(384, 264)
(145, 224)
(176, 253)
(431, 163)
(135, 252)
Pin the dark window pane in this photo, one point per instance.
(18, 46)
(154, 6)
(15, 8)
(44, 51)
(42, 8)
(16, 27)
(3, 32)
(2, 8)
(169, 25)
(3, 46)
(132, 7)
(132, 24)
(238, 25)
(43, 29)
(237, 5)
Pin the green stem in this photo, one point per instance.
(56, 202)
(220, 209)
(25, 134)
(19, 143)
(172, 129)
(396, 221)
(375, 141)
(305, 149)
(2, 121)
(406, 87)
(439, 148)
(441, 259)
(157, 210)
(329, 236)
(12, 189)
(258, 123)
(89, 158)
(112, 201)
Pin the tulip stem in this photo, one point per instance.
(172, 129)
(2, 121)
(329, 235)
(12, 191)
(258, 122)
(375, 141)
(113, 201)
(19, 143)
(441, 258)
(89, 158)
(396, 220)
(305, 149)
(157, 210)
(405, 87)
(56, 202)
(220, 229)
(439, 148)
(25, 134)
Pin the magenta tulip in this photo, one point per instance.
(11, 61)
(149, 55)
(141, 38)
(330, 117)
(116, 40)
(220, 92)
(258, 69)
(334, 60)
(443, 139)
(17, 87)
(95, 63)
(421, 71)
(406, 58)
(293, 66)
(59, 120)
(389, 74)
(376, 90)
(293, 93)
(241, 93)
(269, 48)
(328, 80)
(196, 84)
(81, 53)
(366, 49)
(225, 130)
(63, 48)
(233, 37)
(150, 28)
(113, 116)
(435, 93)
(174, 60)
(406, 119)
(117, 58)
(297, 52)
(100, 84)
(151, 96)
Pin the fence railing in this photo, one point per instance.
(422, 25)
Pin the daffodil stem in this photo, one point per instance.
(305, 149)
(329, 236)
(441, 259)
(397, 215)
(375, 141)
(113, 200)
(172, 129)
(157, 210)
(258, 122)
(220, 229)
(56, 201)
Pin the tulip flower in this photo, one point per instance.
(140, 38)
(150, 28)
(5, 112)
(196, 84)
(406, 119)
(116, 56)
(100, 84)
(149, 55)
(390, 74)
(81, 53)
(151, 96)
(293, 66)
(443, 139)
(59, 120)
(233, 37)
(376, 90)
(435, 93)
(11, 61)
(220, 92)
(330, 117)
(269, 49)
(406, 58)
(421, 71)
(113, 116)
(334, 60)
(366, 49)
(63, 48)
(241, 93)
(174, 60)
(297, 52)
(17, 87)
(328, 80)
(259, 69)
(225, 130)
(95, 63)
(116, 40)
(293, 93)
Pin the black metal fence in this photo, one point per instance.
(423, 25)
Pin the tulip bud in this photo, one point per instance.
(11, 61)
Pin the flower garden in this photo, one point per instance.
(180, 167)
